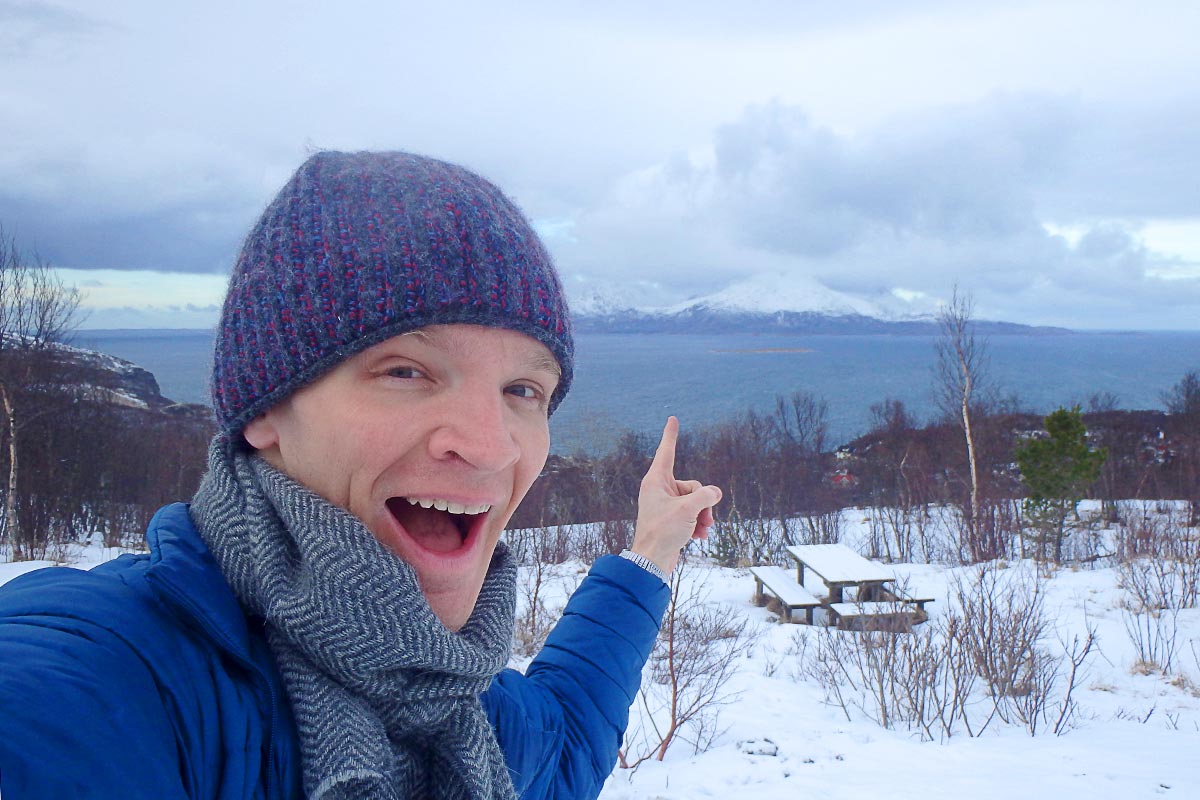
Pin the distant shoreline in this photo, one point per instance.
(763, 350)
(1030, 331)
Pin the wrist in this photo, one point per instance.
(646, 564)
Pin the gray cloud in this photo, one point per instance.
(912, 145)
(200, 236)
(25, 26)
(961, 195)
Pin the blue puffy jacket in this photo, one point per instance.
(142, 678)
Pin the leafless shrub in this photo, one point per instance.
(1158, 530)
(534, 619)
(919, 681)
(1159, 570)
(890, 533)
(1005, 632)
(823, 528)
(537, 613)
(1135, 716)
(536, 549)
(686, 681)
(937, 535)
(795, 654)
(980, 661)
(1150, 611)
(615, 536)
(740, 541)
(1004, 616)
(529, 545)
(1076, 654)
(908, 534)
(1085, 541)
(593, 540)
(728, 544)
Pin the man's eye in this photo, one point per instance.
(405, 372)
(523, 391)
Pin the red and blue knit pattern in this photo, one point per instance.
(359, 247)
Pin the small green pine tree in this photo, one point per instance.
(1057, 470)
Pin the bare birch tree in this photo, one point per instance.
(962, 362)
(37, 311)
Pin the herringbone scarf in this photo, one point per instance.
(385, 698)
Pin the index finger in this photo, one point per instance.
(664, 456)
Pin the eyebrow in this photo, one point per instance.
(537, 360)
(545, 362)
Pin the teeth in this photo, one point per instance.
(446, 505)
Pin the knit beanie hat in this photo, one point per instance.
(359, 247)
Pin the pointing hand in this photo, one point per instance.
(670, 512)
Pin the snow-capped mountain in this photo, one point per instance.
(760, 304)
(772, 294)
(614, 298)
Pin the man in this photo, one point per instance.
(331, 615)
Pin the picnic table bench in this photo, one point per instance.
(891, 593)
(875, 615)
(791, 595)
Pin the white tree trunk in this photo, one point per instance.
(11, 515)
(966, 418)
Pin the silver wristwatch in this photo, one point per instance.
(646, 564)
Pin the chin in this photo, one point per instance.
(452, 612)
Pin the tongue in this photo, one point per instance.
(432, 529)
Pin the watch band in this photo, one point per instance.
(646, 564)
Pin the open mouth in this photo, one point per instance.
(438, 526)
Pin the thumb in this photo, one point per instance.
(702, 498)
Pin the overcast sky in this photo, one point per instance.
(1044, 156)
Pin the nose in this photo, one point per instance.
(475, 427)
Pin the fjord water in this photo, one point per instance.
(633, 381)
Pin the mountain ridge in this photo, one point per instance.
(769, 304)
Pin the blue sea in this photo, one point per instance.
(632, 382)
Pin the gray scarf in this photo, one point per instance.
(385, 698)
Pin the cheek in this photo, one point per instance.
(533, 458)
(334, 459)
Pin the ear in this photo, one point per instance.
(260, 432)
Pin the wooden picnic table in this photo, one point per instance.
(875, 605)
(839, 567)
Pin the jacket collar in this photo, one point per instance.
(185, 574)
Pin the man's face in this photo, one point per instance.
(431, 439)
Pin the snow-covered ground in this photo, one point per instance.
(1135, 734)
